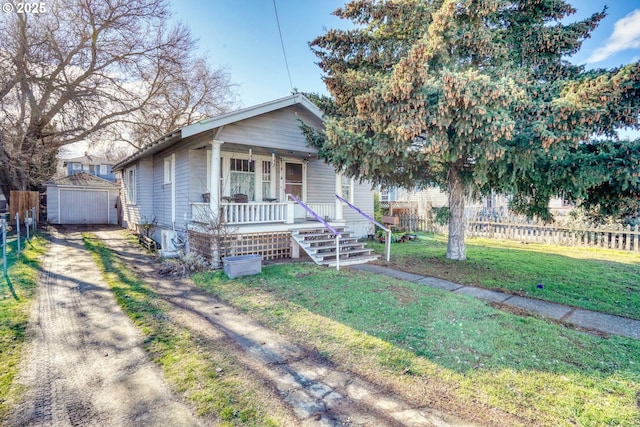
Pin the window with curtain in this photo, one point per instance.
(242, 178)
(293, 179)
(266, 180)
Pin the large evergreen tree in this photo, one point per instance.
(472, 95)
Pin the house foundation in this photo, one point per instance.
(271, 245)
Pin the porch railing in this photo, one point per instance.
(241, 213)
(253, 213)
(323, 210)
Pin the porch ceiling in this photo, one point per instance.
(267, 151)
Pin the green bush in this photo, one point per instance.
(440, 215)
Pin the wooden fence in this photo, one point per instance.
(22, 201)
(412, 223)
(625, 238)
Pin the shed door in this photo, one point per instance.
(84, 207)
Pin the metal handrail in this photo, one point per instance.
(3, 231)
(325, 223)
(387, 243)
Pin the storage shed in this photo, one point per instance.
(82, 199)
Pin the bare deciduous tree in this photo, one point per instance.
(84, 69)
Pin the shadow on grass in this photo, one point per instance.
(7, 279)
(170, 347)
(133, 296)
(418, 332)
(603, 285)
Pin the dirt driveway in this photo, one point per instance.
(86, 365)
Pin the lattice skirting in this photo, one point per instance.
(273, 245)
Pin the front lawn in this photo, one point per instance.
(442, 350)
(595, 279)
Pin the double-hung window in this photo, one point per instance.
(242, 178)
(169, 169)
(267, 179)
(130, 183)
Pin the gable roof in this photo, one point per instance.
(221, 120)
(82, 179)
(87, 160)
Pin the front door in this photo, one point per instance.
(294, 183)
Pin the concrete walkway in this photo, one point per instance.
(605, 323)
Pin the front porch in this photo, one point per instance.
(273, 240)
(255, 200)
(249, 228)
(253, 213)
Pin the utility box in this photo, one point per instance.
(242, 265)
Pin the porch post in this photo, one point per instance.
(214, 187)
(339, 215)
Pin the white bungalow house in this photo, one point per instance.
(249, 178)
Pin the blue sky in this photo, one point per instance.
(242, 35)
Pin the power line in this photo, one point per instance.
(284, 53)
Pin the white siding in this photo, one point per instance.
(52, 204)
(161, 193)
(279, 130)
(198, 174)
(134, 214)
(321, 182)
(363, 199)
(321, 188)
(183, 207)
(190, 181)
(145, 195)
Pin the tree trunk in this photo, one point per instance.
(456, 249)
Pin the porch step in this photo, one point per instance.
(320, 245)
(329, 248)
(352, 261)
(328, 241)
(312, 234)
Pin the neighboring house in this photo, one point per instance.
(400, 201)
(82, 198)
(495, 206)
(92, 165)
(231, 175)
